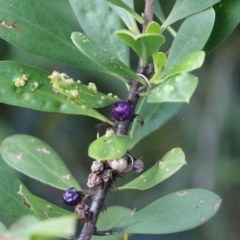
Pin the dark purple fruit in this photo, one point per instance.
(122, 111)
(71, 197)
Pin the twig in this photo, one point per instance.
(122, 128)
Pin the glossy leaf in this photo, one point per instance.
(36, 93)
(109, 147)
(37, 160)
(37, 29)
(127, 17)
(122, 4)
(165, 168)
(99, 22)
(29, 226)
(103, 57)
(185, 8)
(227, 19)
(178, 88)
(40, 207)
(11, 203)
(144, 44)
(175, 212)
(79, 93)
(187, 64)
(191, 37)
(155, 115)
(112, 219)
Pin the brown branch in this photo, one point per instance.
(122, 128)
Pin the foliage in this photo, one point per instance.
(104, 49)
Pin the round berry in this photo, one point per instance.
(122, 111)
(71, 197)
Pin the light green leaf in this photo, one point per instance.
(175, 212)
(2, 228)
(178, 88)
(143, 44)
(155, 115)
(36, 92)
(127, 17)
(109, 147)
(159, 61)
(37, 160)
(29, 226)
(99, 22)
(31, 25)
(185, 8)
(111, 219)
(103, 57)
(191, 37)
(227, 19)
(125, 6)
(40, 207)
(187, 64)
(11, 204)
(165, 168)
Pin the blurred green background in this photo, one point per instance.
(207, 129)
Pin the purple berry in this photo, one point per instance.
(71, 197)
(122, 111)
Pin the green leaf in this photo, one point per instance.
(165, 168)
(185, 8)
(155, 115)
(40, 207)
(143, 44)
(175, 212)
(99, 22)
(29, 226)
(127, 17)
(178, 88)
(2, 228)
(191, 37)
(227, 19)
(111, 219)
(37, 160)
(10, 203)
(187, 64)
(103, 57)
(159, 61)
(109, 147)
(36, 93)
(31, 25)
(158, 11)
(123, 5)
(78, 93)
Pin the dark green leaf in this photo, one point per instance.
(166, 167)
(99, 22)
(36, 92)
(34, 27)
(175, 212)
(144, 44)
(40, 207)
(191, 37)
(111, 219)
(227, 18)
(155, 115)
(103, 57)
(185, 8)
(78, 93)
(29, 226)
(158, 11)
(10, 203)
(178, 88)
(108, 147)
(123, 5)
(127, 17)
(37, 160)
